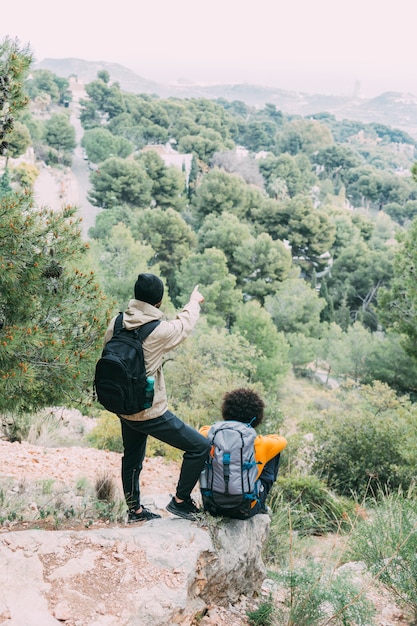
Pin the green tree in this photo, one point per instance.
(295, 307)
(14, 66)
(201, 371)
(348, 355)
(209, 271)
(120, 181)
(89, 115)
(100, 144)
(220, 192)
(327, 313)
(225, 232)
(107, 99)
(347, 232)
(5, 183)
(398, 302)
(402, 212)
(193, 177)
(168, 183)
(309, 231)
(258, 135)
(117, 260)
(294, 172)
(366, 442)
(104, 76)
(47, 82)
(34, 126)
(171, 238)
(204, 144)
(255, 324)
(53, 315)
(387, 349)
(124, 125)
(356, 278)
(301, 135)
(148, 133)
(25, 175)
(146, 108)
(19, 140)
(363, 185)
(335, 161)
(261, 264)
(105, 220)
(59, 133)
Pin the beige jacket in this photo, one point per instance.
(165, 337)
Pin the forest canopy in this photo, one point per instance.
(299, 231)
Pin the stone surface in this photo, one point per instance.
(163, 572)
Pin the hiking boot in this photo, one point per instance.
(144, 516)
(186, 509)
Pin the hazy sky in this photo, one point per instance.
(321, 46)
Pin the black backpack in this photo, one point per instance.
(120, 376)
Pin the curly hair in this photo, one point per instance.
(243, 405)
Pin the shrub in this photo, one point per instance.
(262, 616)
(25, 174)
(311, 506)
(369, 443)
(107, 434)
(315, 594)
(387, 543)
(105, 488)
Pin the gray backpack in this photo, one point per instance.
(228, 482)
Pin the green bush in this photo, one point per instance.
(387, 543)
(371, 442)
(107, 434)
(263, 615)
(311, 507)
(315, 595)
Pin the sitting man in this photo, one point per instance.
(247, 407)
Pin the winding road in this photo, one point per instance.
(57, 188)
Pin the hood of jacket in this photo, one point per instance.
(138, 313)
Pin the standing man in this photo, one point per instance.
(158, 421)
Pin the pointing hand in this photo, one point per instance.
(196, 295)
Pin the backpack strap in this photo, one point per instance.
(118, 323)
(141, 333)
(226, 470)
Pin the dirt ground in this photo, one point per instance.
(23, 465)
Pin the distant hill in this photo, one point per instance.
(393, 109)
(86, 71)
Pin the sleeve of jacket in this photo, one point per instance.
(109, 331)
(268, 446)
(174, 332)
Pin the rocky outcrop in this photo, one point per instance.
(164, 572)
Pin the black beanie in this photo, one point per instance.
(149, 288)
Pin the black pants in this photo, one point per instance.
(171, 430)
